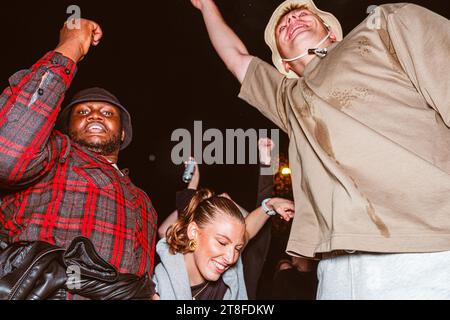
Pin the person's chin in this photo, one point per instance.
(94, 139)
(212, 275)
(300, 43)
(300, 35)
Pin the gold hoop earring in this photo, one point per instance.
(192, 245)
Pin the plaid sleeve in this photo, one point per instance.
(146, 236)
(28, 111)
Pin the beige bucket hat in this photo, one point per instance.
(269, 34)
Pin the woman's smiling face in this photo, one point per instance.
(220, 243)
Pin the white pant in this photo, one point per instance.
(366, 276)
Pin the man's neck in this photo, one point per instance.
(299, 66)
(112, 157)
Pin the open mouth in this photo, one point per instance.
(95, 127)
(297, 29)
(220, 268)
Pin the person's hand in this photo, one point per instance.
(283, 264)
(75, 43)
(303, 264)
(198, 4)
(193, 184)
(285, 208)
(265, 147)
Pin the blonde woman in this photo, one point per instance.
(200, 256)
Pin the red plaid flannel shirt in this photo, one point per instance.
(52, 189)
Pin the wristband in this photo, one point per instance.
(267, 210)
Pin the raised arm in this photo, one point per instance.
(265, 181)
(29, 107)
(227, 44)
(75, 43)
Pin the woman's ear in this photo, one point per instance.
(192, 231)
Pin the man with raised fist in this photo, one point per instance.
(60, 184)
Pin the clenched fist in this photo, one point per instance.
(75, 43)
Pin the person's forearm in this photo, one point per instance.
(28, 111)
(227, 44)
(192, 185)
(255, 221)
(265, 187)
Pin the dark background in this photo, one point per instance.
(156, 57)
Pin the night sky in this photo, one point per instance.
(156, 57)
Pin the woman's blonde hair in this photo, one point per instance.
(202, 209)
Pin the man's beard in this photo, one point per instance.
(104, 148)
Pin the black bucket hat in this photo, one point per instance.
(97, 94)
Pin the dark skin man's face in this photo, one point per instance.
(97, 126)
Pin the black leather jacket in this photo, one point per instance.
(38, 270)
